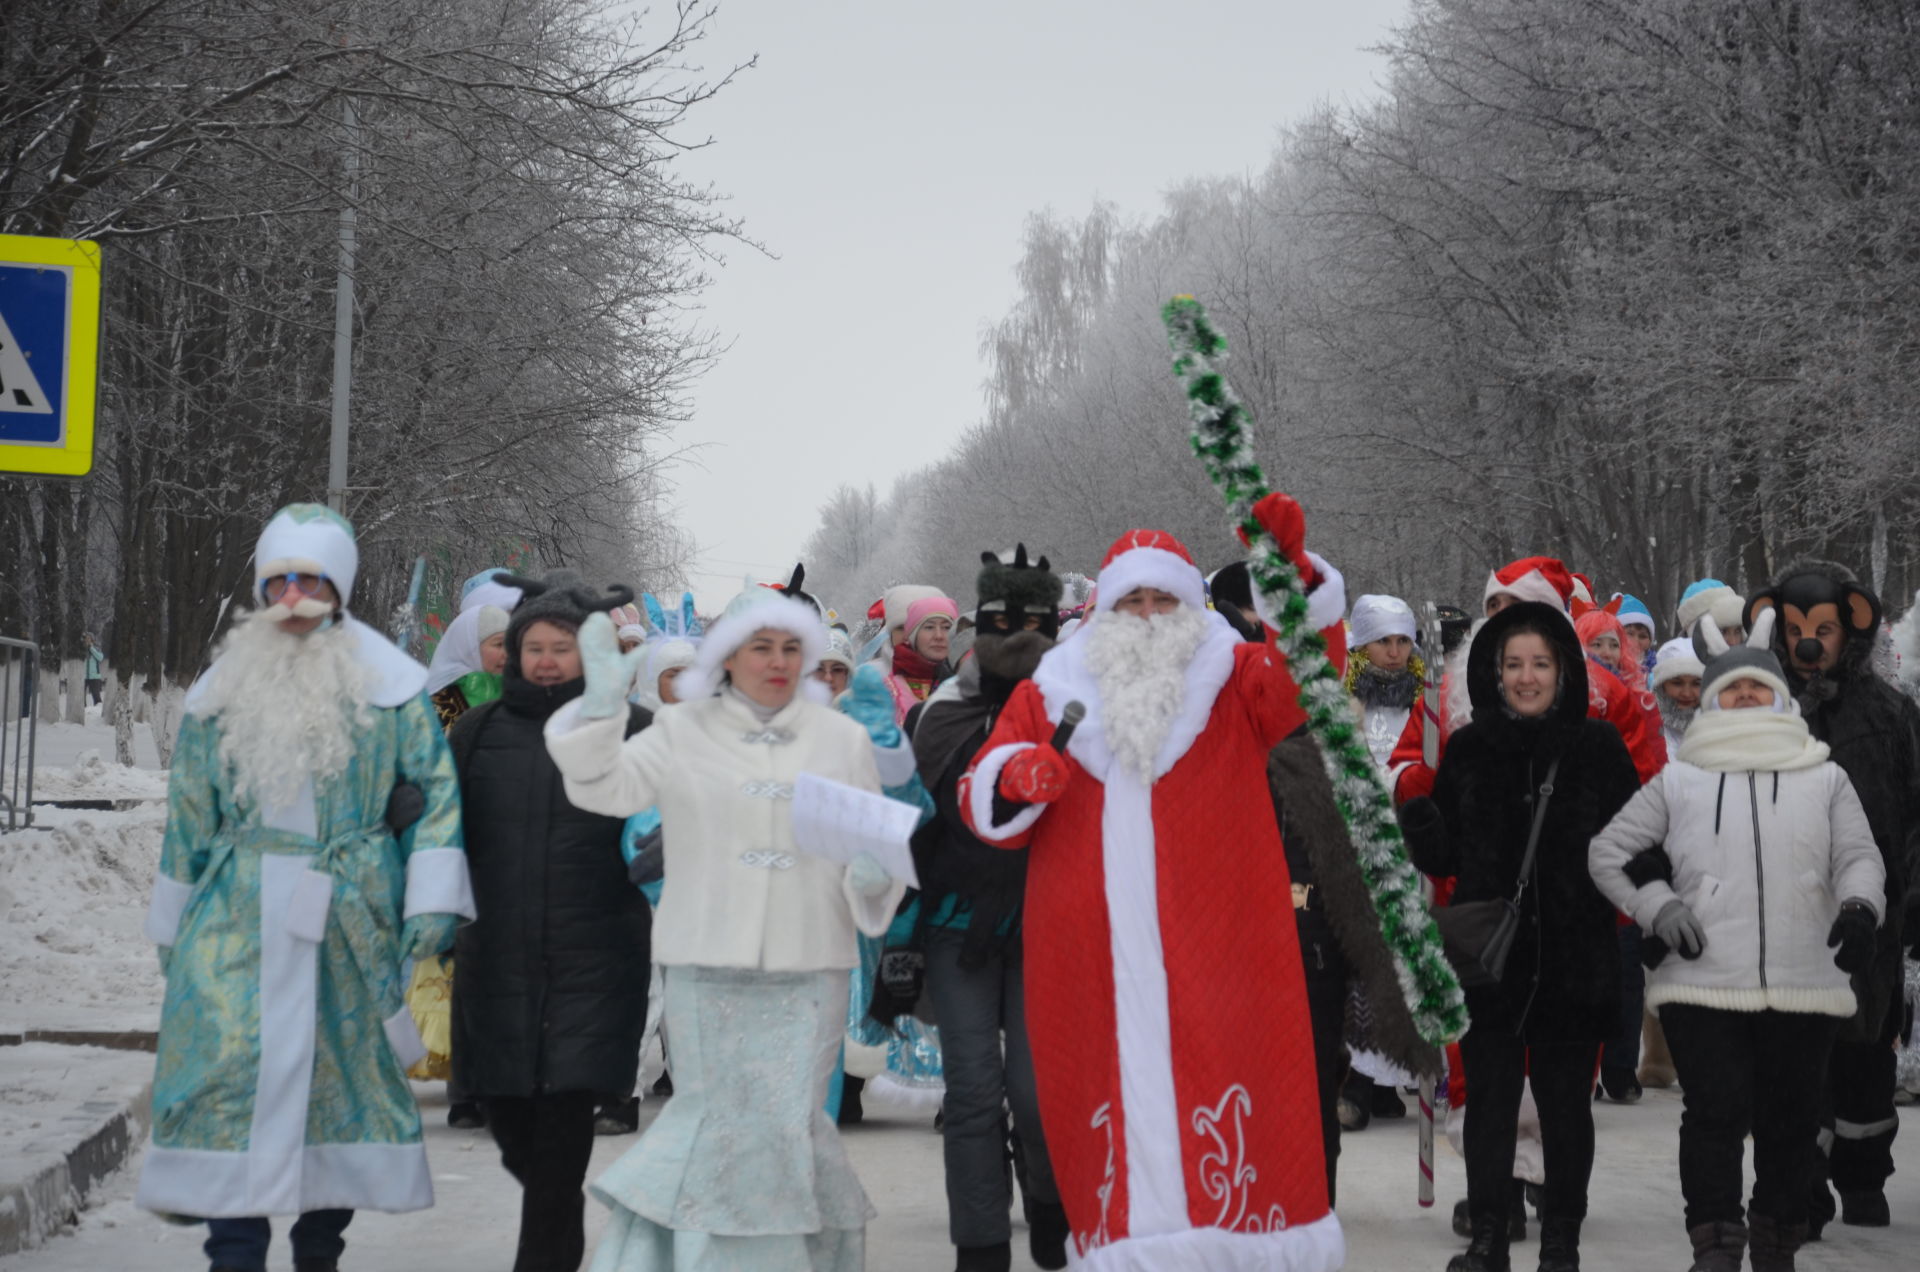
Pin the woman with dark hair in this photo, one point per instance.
(1558, 997)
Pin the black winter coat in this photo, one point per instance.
(1562, 981)
(1873, 731)
(550, 983)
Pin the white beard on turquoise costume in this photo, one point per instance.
(289, 706)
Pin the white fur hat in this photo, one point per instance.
(1711, 596)
(899, 599)
(745, 615)
(1676, 658)
(308, 538)
(1376, 617)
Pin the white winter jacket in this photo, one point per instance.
(1763, 859)
(738, 893)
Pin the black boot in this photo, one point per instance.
(993, 1258)
(1559, 1245)
(1487, 1252)
(1771, 1246)
(851, 1113)
(1864, 1209)
(1047, 1234)
(617, 1117)
(1820, 1207)
(1621, 1085)
(1718, 1247)
(316, 1265)
(1387, 1104)
(465, 1115)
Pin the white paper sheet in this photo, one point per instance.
(839, 822)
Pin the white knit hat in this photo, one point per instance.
(1375, 617)
(308, 539)
(1711, 596)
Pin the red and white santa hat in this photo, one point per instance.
(1149, 558)
(1543, 579)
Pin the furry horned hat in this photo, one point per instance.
(1014, 587)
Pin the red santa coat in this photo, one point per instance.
(1165, 999)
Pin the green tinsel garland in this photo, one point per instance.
(1220, 440)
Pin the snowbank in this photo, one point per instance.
(73, 896)
(92, 777)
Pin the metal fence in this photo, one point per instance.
(19, 682)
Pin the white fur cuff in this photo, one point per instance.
(170, 897)
(438, 883)
(1326, 603)
(896, 762)
(403, 1035)
(986, 779)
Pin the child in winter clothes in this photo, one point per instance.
(1764, 899)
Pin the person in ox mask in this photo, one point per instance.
(1824, 636)
(970, 897)
(285, 909)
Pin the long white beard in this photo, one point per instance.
(288, 707)
(1140, 666)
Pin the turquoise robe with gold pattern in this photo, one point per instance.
(284, 1040)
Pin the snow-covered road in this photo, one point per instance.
(1635, 1224)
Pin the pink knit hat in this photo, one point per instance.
(922, 610)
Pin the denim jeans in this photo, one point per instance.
(241, 1244)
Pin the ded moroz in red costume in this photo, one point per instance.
(1165, 998)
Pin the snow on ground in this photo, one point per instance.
(73, 898)
(52, 1097)
(60, 745)
(93, 776)
(1635, 1222)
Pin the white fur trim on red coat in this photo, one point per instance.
(982, 782)
(1326, 603)
(1319, 1246)
(1156, 568)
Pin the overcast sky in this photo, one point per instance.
(888, 152)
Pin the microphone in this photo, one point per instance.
(1070, 717)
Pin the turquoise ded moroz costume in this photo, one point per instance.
(284, 1041)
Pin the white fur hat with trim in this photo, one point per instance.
(308, 538)
(1676, 658)
(746, 614)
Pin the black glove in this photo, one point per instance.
(1420, 821)
(650, 861)
(1851, 937)
(404, 807)
(1645, 867)
(1653, 951)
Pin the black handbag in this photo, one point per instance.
(1478, 935)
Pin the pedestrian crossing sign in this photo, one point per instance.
(49, 354)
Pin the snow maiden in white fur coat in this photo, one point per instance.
(1763, 900)
(742, 1169)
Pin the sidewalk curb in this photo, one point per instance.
(53, 1196)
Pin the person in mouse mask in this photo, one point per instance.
(1824, 636)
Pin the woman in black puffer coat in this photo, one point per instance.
(1560, 996)
(551, 997)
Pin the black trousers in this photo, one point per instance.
(989, 1070)
(1741, 1072)
(1623, 1049)
(546, 1142)
(1326, 970)
(1860, 1121)
(1498, 1065)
